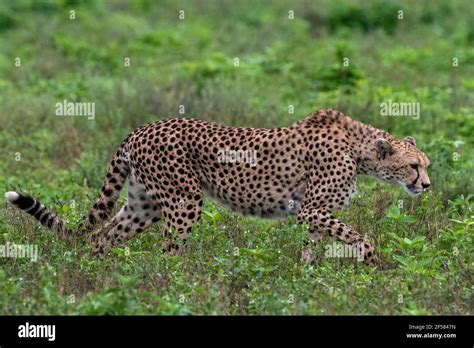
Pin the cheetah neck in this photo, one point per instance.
(361, 139)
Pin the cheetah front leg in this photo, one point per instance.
(321, 222)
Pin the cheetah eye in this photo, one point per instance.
(414, 166)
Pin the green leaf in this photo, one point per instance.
(393, 212)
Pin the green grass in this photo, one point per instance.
(235, 264)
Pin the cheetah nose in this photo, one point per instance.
(425, 185)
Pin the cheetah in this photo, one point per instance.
(307, 169)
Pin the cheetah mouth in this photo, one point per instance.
(412, 190)
(415, 192)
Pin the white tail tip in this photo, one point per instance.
(12, 196)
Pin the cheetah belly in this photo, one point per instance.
(274, 204)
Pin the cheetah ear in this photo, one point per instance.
(383, 147)
(410, 140)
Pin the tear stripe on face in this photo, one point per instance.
(417, 176)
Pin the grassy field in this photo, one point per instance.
(245, 63)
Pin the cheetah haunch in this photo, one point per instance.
(308, 169)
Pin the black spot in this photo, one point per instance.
(91, 219)
(108, 192)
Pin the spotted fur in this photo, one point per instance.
(307, 169)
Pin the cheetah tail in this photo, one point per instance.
(33, 207)
(117, 173)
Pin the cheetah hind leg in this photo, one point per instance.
(98, 235)
(179, 230)
(180, 216)
(123, 232)
(137, 215)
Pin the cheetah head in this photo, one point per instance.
(401, 162)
